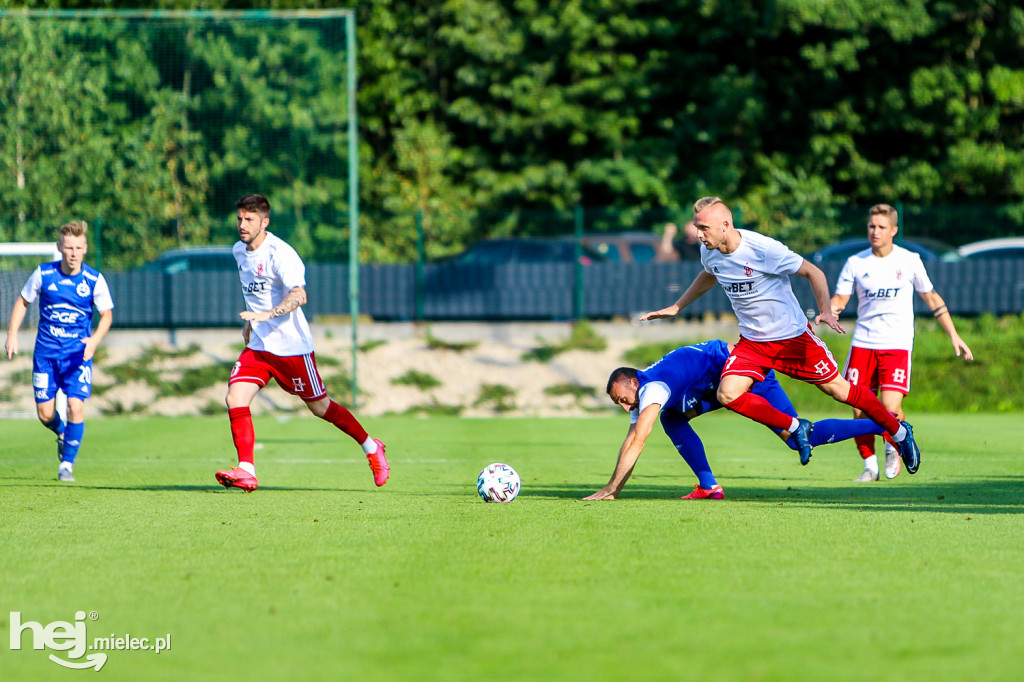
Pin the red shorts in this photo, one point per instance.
(888, 370)
(804, 357)
(296, 374)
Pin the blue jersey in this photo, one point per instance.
(689, 374)
(65, 307)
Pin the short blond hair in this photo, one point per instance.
(76, 228)
(886, 210)
(705, 203)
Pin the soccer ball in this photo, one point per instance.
(498, 483)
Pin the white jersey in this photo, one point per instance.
(885, 296)
(755, 277)
(267, 275)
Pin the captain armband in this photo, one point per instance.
(940, 311)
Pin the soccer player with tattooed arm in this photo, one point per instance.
(885, 277)
(279, 344)
(753, 271)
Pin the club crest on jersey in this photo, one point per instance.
(259, 269)
(899, 274)
(82, 289)
(748, 271)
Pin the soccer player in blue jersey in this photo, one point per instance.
(65, 342)
(681, 386)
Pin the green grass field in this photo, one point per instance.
(799, 574)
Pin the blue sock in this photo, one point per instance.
(690, 446)
(72, 441)
(56, 424)
(835, 430)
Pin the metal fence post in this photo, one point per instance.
(418, 292)
(577, 284)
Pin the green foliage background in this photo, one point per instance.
(475, 113)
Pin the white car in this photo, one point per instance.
(993, 249)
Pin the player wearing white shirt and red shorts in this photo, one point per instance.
(279, 344)
(885, 276)
(753, 270)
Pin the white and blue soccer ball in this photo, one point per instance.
(498, 483)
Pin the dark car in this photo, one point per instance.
(930, 250)
(525, 250)
(631, 247)
(993, 249)
(193, 259)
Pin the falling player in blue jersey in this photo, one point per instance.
(682, 386)
(65, 342)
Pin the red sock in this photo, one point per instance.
(242, 433)
(760, 410)
(344, 420)
(865, 445)
(869, 404)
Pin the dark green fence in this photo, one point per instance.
(528, 291)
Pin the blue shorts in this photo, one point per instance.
(70, 374)
(769, 389)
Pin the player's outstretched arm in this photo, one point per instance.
(17, 317)
(630, 451)
(295, 298)
(700, 286)
(941, 313)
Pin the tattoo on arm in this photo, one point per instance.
(293, 300)
(941, 310)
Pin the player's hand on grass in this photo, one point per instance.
(670, 311)
(830, 319)
(604, 493)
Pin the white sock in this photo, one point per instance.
(794, 426)
(65, 466)
(247, 467)
(369, 446)
(871, 464)
(889, 450)
(900, 435)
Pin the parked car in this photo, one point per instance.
(525, 250)
(193, 259)
(930, 250)
(991, 249)
(630, 247)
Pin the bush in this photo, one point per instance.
(434, 343)
(420, 380)
(582, 337)
(498, 395)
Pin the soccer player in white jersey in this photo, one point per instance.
(278, 344)
(753, 271)
(65, 341)
(885, 277)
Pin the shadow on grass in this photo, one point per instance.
(993, 495)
